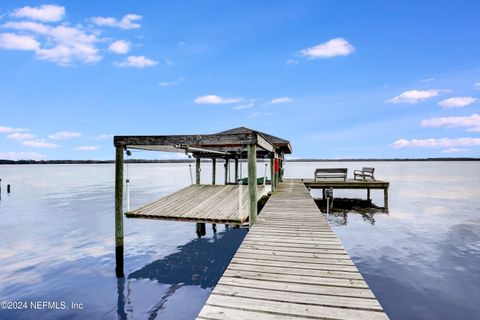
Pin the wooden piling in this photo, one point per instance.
(272, 173)
(8, 188)
(252, 183)
(368, 195)
(226, 170)
(385, 199)
(236, 170)
(119, 212)
(197, 170)
(214, 169)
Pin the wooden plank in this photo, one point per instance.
(293, 309)
(291, 265)
(301, 298)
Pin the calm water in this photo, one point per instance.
(422, 260)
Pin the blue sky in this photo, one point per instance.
(338, 79)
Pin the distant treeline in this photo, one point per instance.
(192, 160)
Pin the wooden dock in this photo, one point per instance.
(291, 265)
(202, 203)
(351, 184)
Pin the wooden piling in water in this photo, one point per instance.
(226, 170)
(119, 212)
(385, 199)
(214, 169)
(197, 170)
(368, 195)
(236, 170)
(272, 172)
(252, 183)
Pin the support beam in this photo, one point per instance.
(252, 183)
(197, 170)
(385, 199)
(236, 170)
(226, 170)
(368, 195)
(214, 169)
(119, 212)
(272, 172)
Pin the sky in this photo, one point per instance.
(339, 79)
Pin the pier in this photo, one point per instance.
(291, 265)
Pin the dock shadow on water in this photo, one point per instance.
(342, 207)
(198, 264)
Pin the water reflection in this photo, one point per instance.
(340, 209)
(200, 263)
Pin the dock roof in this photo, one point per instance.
(229, 143)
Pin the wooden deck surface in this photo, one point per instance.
(201, 203)
(346, 184)
(291, 266)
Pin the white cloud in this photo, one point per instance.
(64, 135)
(457, 102)
(331, 48)
(171, 83)
(472, 123)
(40, 144)
(103, 137)
(70, 44)
(46, 12)
(120, 47)
(27, 26)
(414, 96)
(10, 129)
(214, 99)
(291, 62)
(281, 100)
(14, 41)
(243, 106)
(62, 44)
(22, 156)
(442, 142)
(88, 148)
(20, 136)
(454, 150)
(136, 62)
(427, 80)
(127, 22)
(260, 114)
(476, 85)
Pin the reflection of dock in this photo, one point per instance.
(291, 266)
(350, 184)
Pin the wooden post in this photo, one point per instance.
(280, 170)
(214, 169)
(197, 170)
(8, 188)
(119, 212)
(226, 170)
(368, 195)
(385, 199)
(272, 172)
(252, 183)
(236, 170)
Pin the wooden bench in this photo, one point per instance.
(366, 172)
(330, 173)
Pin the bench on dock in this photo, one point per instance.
(330, 173)
(366, 172)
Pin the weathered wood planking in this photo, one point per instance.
(291, 266)
(347, 184)
(201, 203)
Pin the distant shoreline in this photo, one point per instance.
(24, 162)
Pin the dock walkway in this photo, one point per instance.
(291, 265)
